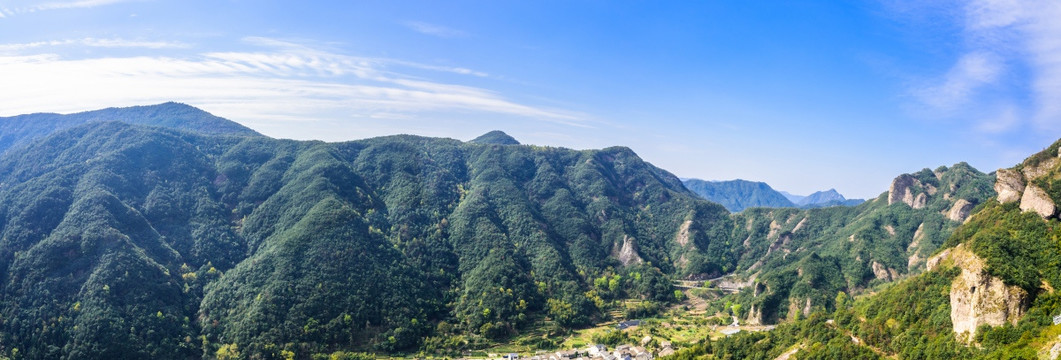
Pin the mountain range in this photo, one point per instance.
(987, 291)
(166, 232)
(148, 237)
(737, 195)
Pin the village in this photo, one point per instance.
(598, 352)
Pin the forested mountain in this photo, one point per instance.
(126, 241)
(198, 238)
(737, 195)
(21, 129)
(795, 261)
(989, 291)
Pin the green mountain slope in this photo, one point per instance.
(988, 293)
(495, 137)
(21, 129)
(797, 260)
(123, 241)
(737, 195)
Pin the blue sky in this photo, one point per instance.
(804, 95)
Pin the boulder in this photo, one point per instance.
(1009, 185)
(1035, 199)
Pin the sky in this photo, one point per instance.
(803, 95)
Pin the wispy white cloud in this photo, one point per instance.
(1004, 39)
(94, 42)
(283, 82)
(35, 6)
(1006, 119)
(434, 30)
(957, 87)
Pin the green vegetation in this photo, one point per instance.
(805, 257)
(122, 241)
(204, 241)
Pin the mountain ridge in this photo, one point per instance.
(21, 129)
(250, 238)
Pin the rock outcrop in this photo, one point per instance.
(960, 211)
(977, 298)
(755, 316)
(1009, 184)
(1035, 199)
(903, 190)
(683, 233)
(900, 190)
(1040, 169)
(627, 252)
(882, 273)
(920, 201)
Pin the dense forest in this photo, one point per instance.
(131, 241)
(165, 232)
(988, 291)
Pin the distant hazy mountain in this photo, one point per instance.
(820, 199)
(795, 199)
(825, 199)
(737, 195)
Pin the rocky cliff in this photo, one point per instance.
(1022, 184)
(977, 298)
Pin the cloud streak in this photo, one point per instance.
(1004, 40)
(434, 30)
(284, 82)
(93, 42)
(57, 5)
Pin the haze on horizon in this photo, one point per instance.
(804, 97)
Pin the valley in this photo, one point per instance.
(229, 244)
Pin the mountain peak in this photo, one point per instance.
(496, 137)
(822, 197)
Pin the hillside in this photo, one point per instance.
(795, 260)
(125, 241)
(21, 129)
(988, 292)
(737, 195)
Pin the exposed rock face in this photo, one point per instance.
(977, 298)
(1009, 185)
(683, 232)
(900, 188)
(920, 201)
(933, 262)
(799, 225)
(627, 254)
(883, 273)
(1040, 169)
(1035, 199)
(960, 211)
(755, 316)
